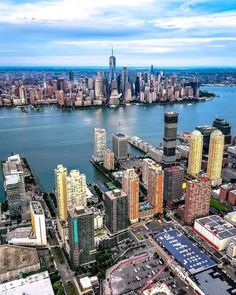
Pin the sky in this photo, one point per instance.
(165, 33)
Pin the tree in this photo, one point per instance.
(57, 285)
(60, 291)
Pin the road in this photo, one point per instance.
(63, 268)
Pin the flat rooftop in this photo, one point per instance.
(213, 282)
(219, 227)
(121, 135)
(19, 233)
(37, 284)
(16, 257)
(12, 179)
(185, 251)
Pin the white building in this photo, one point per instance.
(215, 230)
(37, 284)
(76, 189)
(38, 223)
(231, 248)
(31, 236)
(99, 135)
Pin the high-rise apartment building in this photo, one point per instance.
(146, 164)
(116, 211)
(38, 223)
(81, 236)
(197, 199)
(120, 146)
(206, 131)
(225, 128)
(108, 159)
(99, 86)
(130, 185)
(195, 153)
(61, 191)
(215, 158)
(99, 138)
(76, 188)
(14, 184)
(170, 136)
(112, 67)
(155, 188)
(173, 180)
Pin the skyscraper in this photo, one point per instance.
(225, 128)
(116, 211)
(14, 184)
(197, 199)
(215, 158)
(81, 236)
(99, 138)
(130, 185)
(61, 192)
(155, 188)
(173, 180)
(170, 136)
(108, 159)
(195, 153)
(38, 223)
(206, 131)
(112, 67)
(146, 164)
(99, 86)
(76, 189)
(124, 79)
(120, 145)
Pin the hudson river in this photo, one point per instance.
(53, 137)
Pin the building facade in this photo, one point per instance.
(197, 199)
(61, 192)
(76, 189)
(195, 153)
(81, 236)
(120, 146)
(108, 159)
(99, 136)
(215, 159)
(130, 185)
(155, 188)
(116, 211)
(170, 136)
(38, 223)
(173, 180)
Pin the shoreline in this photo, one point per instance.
(66, 108)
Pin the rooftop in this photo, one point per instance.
(16, 257)
(12, 179)
(37, 284)
(121, 135)
(221, 228)
(37, 207)
(185, 251)
(19, 233)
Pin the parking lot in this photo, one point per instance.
(135, 275)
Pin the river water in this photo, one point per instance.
(54, 137)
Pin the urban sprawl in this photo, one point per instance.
(162, 223)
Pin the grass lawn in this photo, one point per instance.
(215, 203)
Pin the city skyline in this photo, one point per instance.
(144, 32)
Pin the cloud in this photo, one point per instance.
(63, 31)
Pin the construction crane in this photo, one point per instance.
(150, 282)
